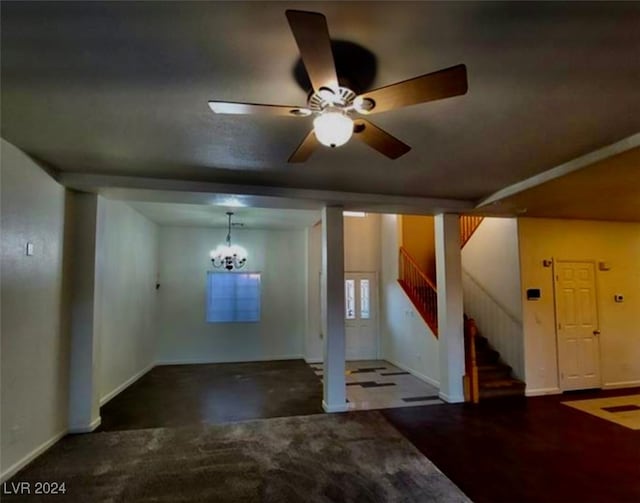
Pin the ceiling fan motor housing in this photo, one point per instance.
(325, 97)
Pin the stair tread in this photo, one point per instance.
(486, 349)
(494, 366)
(502, 383)
(492, 375)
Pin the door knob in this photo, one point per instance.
(596, 332)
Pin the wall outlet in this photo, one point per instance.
(29, 249)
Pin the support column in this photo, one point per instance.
(450, 307)
(84, 402)
(334, 393)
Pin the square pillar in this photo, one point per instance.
(84, 403)
(450, 307)
(334, 392)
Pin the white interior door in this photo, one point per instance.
(577, 325)
(361, 315)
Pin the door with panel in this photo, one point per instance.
(361, 315)
(577, 325)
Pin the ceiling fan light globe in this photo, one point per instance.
(333, 129)
(363, 105)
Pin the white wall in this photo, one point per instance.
(362, 243)
(361, 254)
(492, 257)
(34, 324)
(126, 274)
(613, 242)
(406, 339)
(185, 337)
(491, 284)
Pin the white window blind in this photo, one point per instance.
(233, 297)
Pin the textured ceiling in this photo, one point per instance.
(122, 88)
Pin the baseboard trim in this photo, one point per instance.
(542, 391)
(19, 465)
(422, 377)
(313, 360)
(621, 384)
(451, 398)
(335, 408)
(84, 428)
(125, 384)
(202, 361)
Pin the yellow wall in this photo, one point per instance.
(419, 240)
(613, 242)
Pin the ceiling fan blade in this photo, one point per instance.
(226, 107)
(379, 139)
(306, 148)
(312, 36)
(432, 86)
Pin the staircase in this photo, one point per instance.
(486, 376)
(495, 378)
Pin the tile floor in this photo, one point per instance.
(377, 384)
(622, 410)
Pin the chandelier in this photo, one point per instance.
(227, 255)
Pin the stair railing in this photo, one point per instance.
(470, 379)
(468, 225)
(419, 288)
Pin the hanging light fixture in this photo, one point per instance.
(227, 255)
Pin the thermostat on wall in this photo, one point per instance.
(533, 294)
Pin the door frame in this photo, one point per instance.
(375, 304)
(555, 281)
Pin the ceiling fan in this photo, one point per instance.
(338, 109)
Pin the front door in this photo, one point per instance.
(361, 317)
(577, 325)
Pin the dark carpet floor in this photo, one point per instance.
(354, 457)
(181, 395)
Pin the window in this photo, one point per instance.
(350, 299)
(233, 297)
(364, 299)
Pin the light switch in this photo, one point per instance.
(29, 249)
